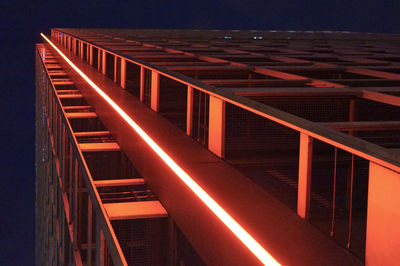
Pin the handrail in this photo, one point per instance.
(364, 149)
(253, 246)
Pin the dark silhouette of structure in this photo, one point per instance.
(192, 147)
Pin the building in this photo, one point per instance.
(187, 147)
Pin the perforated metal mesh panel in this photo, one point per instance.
(264, 151)
(173, 99)
(329, 193)
(200, 117)
(252, 136)
(186, 255)
(143, 241)
(147, 87)
(133, 79)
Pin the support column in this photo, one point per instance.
(383, 216)
(142, 83)
(75, 201)
(155, 91)
(216, 127)
(103, 63)
(172, 245)
(81, 49)
(304, 183)
(71, 168)
(352, 114)
(100, 246)
(74, 46)
(91, 55)
(189, 111)
(87, 53)
(99, 59)
(115, 68)
(89, 232)
(123, 73)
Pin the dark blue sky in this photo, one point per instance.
(22, 21)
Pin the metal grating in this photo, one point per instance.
(250, 136)
(143, 241)
(200, 117)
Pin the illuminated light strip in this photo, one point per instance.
(236, 228)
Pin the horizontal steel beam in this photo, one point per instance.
(381, 97)
(99, 147)
(363, 125)
(135, 210)
(119, 182)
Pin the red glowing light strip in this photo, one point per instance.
(236, 228)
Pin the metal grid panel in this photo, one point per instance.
(143, 241)
(250, 136)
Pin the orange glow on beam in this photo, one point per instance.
(221, 214)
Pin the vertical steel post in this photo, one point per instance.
(304, 183)
(351, 201)
(216, 126)
(88, 53)
(89, 232)
(123, 73)
(155, 91)
(172, 247)
(104, 61)
(91, 55)
(115, 68)
(70, 178)
(74, 46)
(334, 194)
(100, 246)
(142, 82)
(352, 114)
(81, 50)
(99, 60)
(75, 201)
(189, 111)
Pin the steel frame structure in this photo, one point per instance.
(222, 70)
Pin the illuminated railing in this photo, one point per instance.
(215, 101)
(230, 222)
(372, 153)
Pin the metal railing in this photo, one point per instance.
(357, 149)
(70, 175)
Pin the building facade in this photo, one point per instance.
(209, 147)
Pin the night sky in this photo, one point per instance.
(22, 21)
